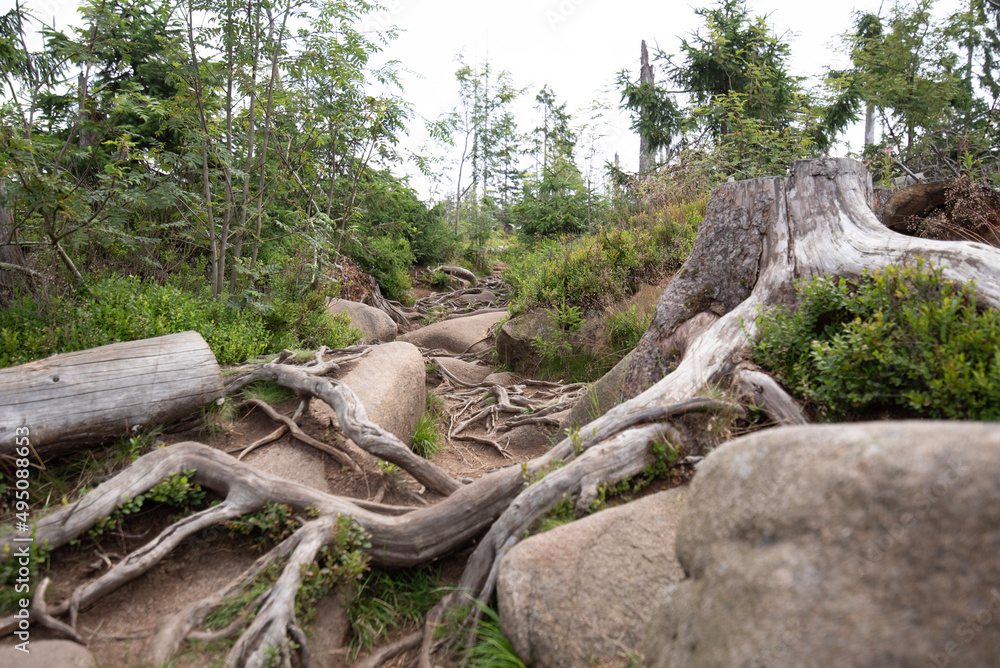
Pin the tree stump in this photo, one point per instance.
(760, 236)
(87, 397)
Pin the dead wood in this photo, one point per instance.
(459, 272)
(756, 239)
(353, 420)
(85, 398)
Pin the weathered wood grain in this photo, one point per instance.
(86, 397)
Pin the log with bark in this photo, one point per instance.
(757, 238)
(88, 397)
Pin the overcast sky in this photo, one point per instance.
(575, 46)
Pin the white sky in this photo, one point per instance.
(577, 47)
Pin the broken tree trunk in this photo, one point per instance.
(758, 237)
(87, 397)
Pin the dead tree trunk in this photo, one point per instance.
(647, 157)
(90, 396)
(757, 238)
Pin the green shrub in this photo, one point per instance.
(126, 308)
(899, 338)
(624, 329)
(426, 437)
(387, 258)
(588, 272)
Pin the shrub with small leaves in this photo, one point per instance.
(342, 560)
(272, 524)
(902, 338)
(176, 490)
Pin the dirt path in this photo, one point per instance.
(118, 627)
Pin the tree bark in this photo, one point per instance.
(88, 397)
(759, 237)
(646, 157)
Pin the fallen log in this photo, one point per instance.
(87, 397)
(457, 272)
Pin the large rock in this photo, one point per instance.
(579, 595)
(460, 335)
(515, 338)
(602, 396)
(840, 545)
(390, 383)
(375, 325)
(48, 654)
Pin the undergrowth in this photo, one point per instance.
(385, 601)
(901, 339)
(126, 308)
(427, 436)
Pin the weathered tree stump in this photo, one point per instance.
(87, 397)
(760, 236)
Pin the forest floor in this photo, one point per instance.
(119, 626)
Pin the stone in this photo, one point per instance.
(871, 544)
(464, 371)
(48, 654)
(602, 396)
(579, 595)
(514, 340)
(529, 440)
(484, 297)
(459, 335)
(375, 325)
(293, 461)
(390, 382)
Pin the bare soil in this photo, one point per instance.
(119, 627)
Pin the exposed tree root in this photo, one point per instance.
(353, 420)
(758, 237)
(383, 654)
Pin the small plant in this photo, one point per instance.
(492, 648)
(176, 490)
(558, 355)
(567, 318)
(217, 417)
(232, 606)
(268, 392)
(530, 478)
(562, 513)
(436, 404)
(272, 524)
(12, 579)
(439, 279)
(426, 436)
(624, 329)
(343, 560)
(385, 601)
